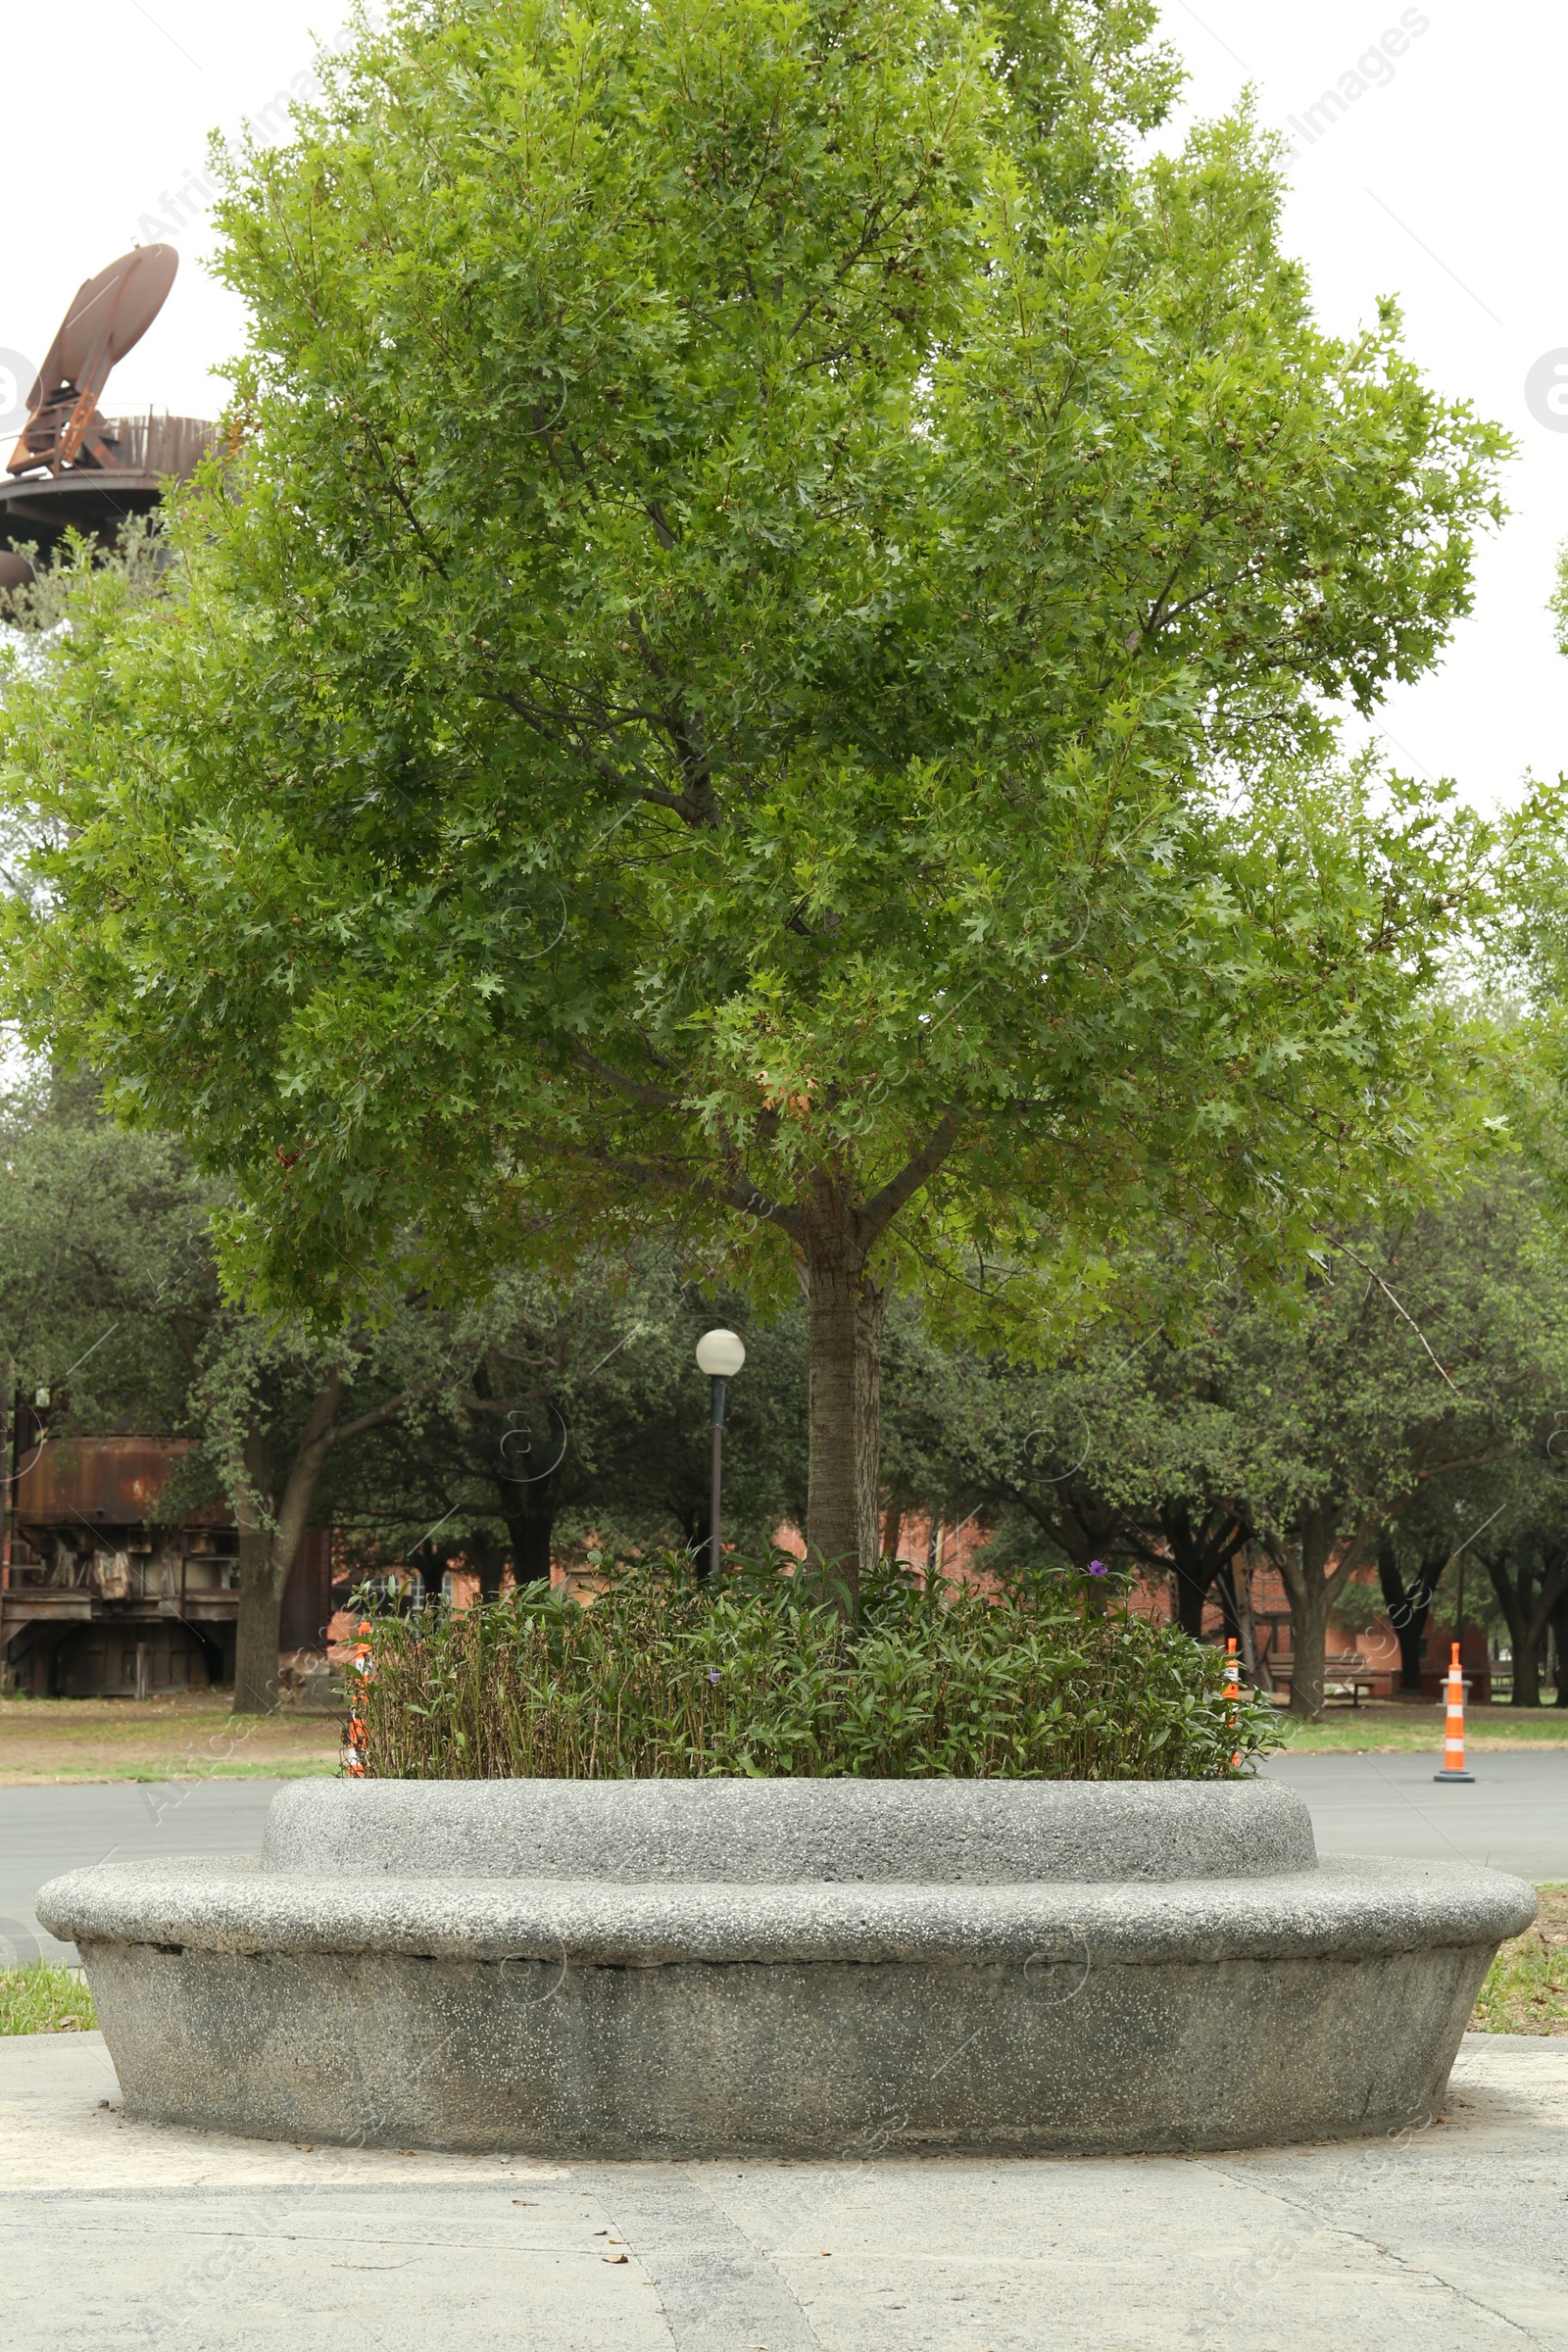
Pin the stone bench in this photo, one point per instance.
(815, 1967)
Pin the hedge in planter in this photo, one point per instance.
(660, 1677)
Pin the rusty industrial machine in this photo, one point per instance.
(73, 467)
(113, 1586)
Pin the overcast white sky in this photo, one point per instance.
(1439, 184)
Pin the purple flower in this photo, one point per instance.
(712, 1674)
(1098, 1568)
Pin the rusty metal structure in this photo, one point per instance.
(110, 1585)
(73, 467)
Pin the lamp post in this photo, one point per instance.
(720, 1354)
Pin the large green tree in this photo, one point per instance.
(749, 672)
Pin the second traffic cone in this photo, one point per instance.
(1454, 1730)
(1233, 1693)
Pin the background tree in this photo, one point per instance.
(276, 1404)
(110, 1297)
(1117, 1450)
(755, 539)
(1430, 1350)
(1408, 1577)
(1420, 1369)
(574, 1411)
(107, 1280)
(1523, 1552)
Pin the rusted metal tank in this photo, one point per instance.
(118, 1582)
(106, 1482)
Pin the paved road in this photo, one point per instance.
(45, 1830)
(120, 2234)
(1514, 1815)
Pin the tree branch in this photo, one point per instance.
(745, 1197)
(371, 1420)
(883, 1206)
(1373, 1275)
(658, 1097)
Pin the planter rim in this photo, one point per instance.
(973, 1833)
(1350, 1908)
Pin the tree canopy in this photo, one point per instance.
(762, 662)
(1415, 1385)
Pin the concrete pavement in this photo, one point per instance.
(1453, 2239)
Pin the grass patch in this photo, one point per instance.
(1383, 1730)
(1526, 1991)
(663, 1676)
(190, 1738)
(42, 1999)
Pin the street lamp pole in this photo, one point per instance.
(720, 1354)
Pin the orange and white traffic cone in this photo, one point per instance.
(1233, 1693)
(359, 1669)
(1453, 1731)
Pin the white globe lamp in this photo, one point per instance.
(720, 1354)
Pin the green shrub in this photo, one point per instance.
(660, 1677)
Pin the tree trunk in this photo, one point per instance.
(1559, 1626)
(529, 1503)
(487, 1556)
(1193, 1577)
(1200, 1556)
(531, 1533)
(432, 1575)
(1408, 1607)
(845, 1310)
(1241, 1575)
(1310, 1592)
(1528, 1616)
(268, 1546)
(260, 1588)
(1230, 1614)
(1310, 1629)
(262, 1578)
(1526, 1664)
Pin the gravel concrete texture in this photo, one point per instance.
(120, 2234)
(785, 1831)
(1512, 1816)
(658, 2009)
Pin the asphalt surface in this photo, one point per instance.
(1450, 2239)
(46, 1831)
(1514, 1815)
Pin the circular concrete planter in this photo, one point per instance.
(787, 1967)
